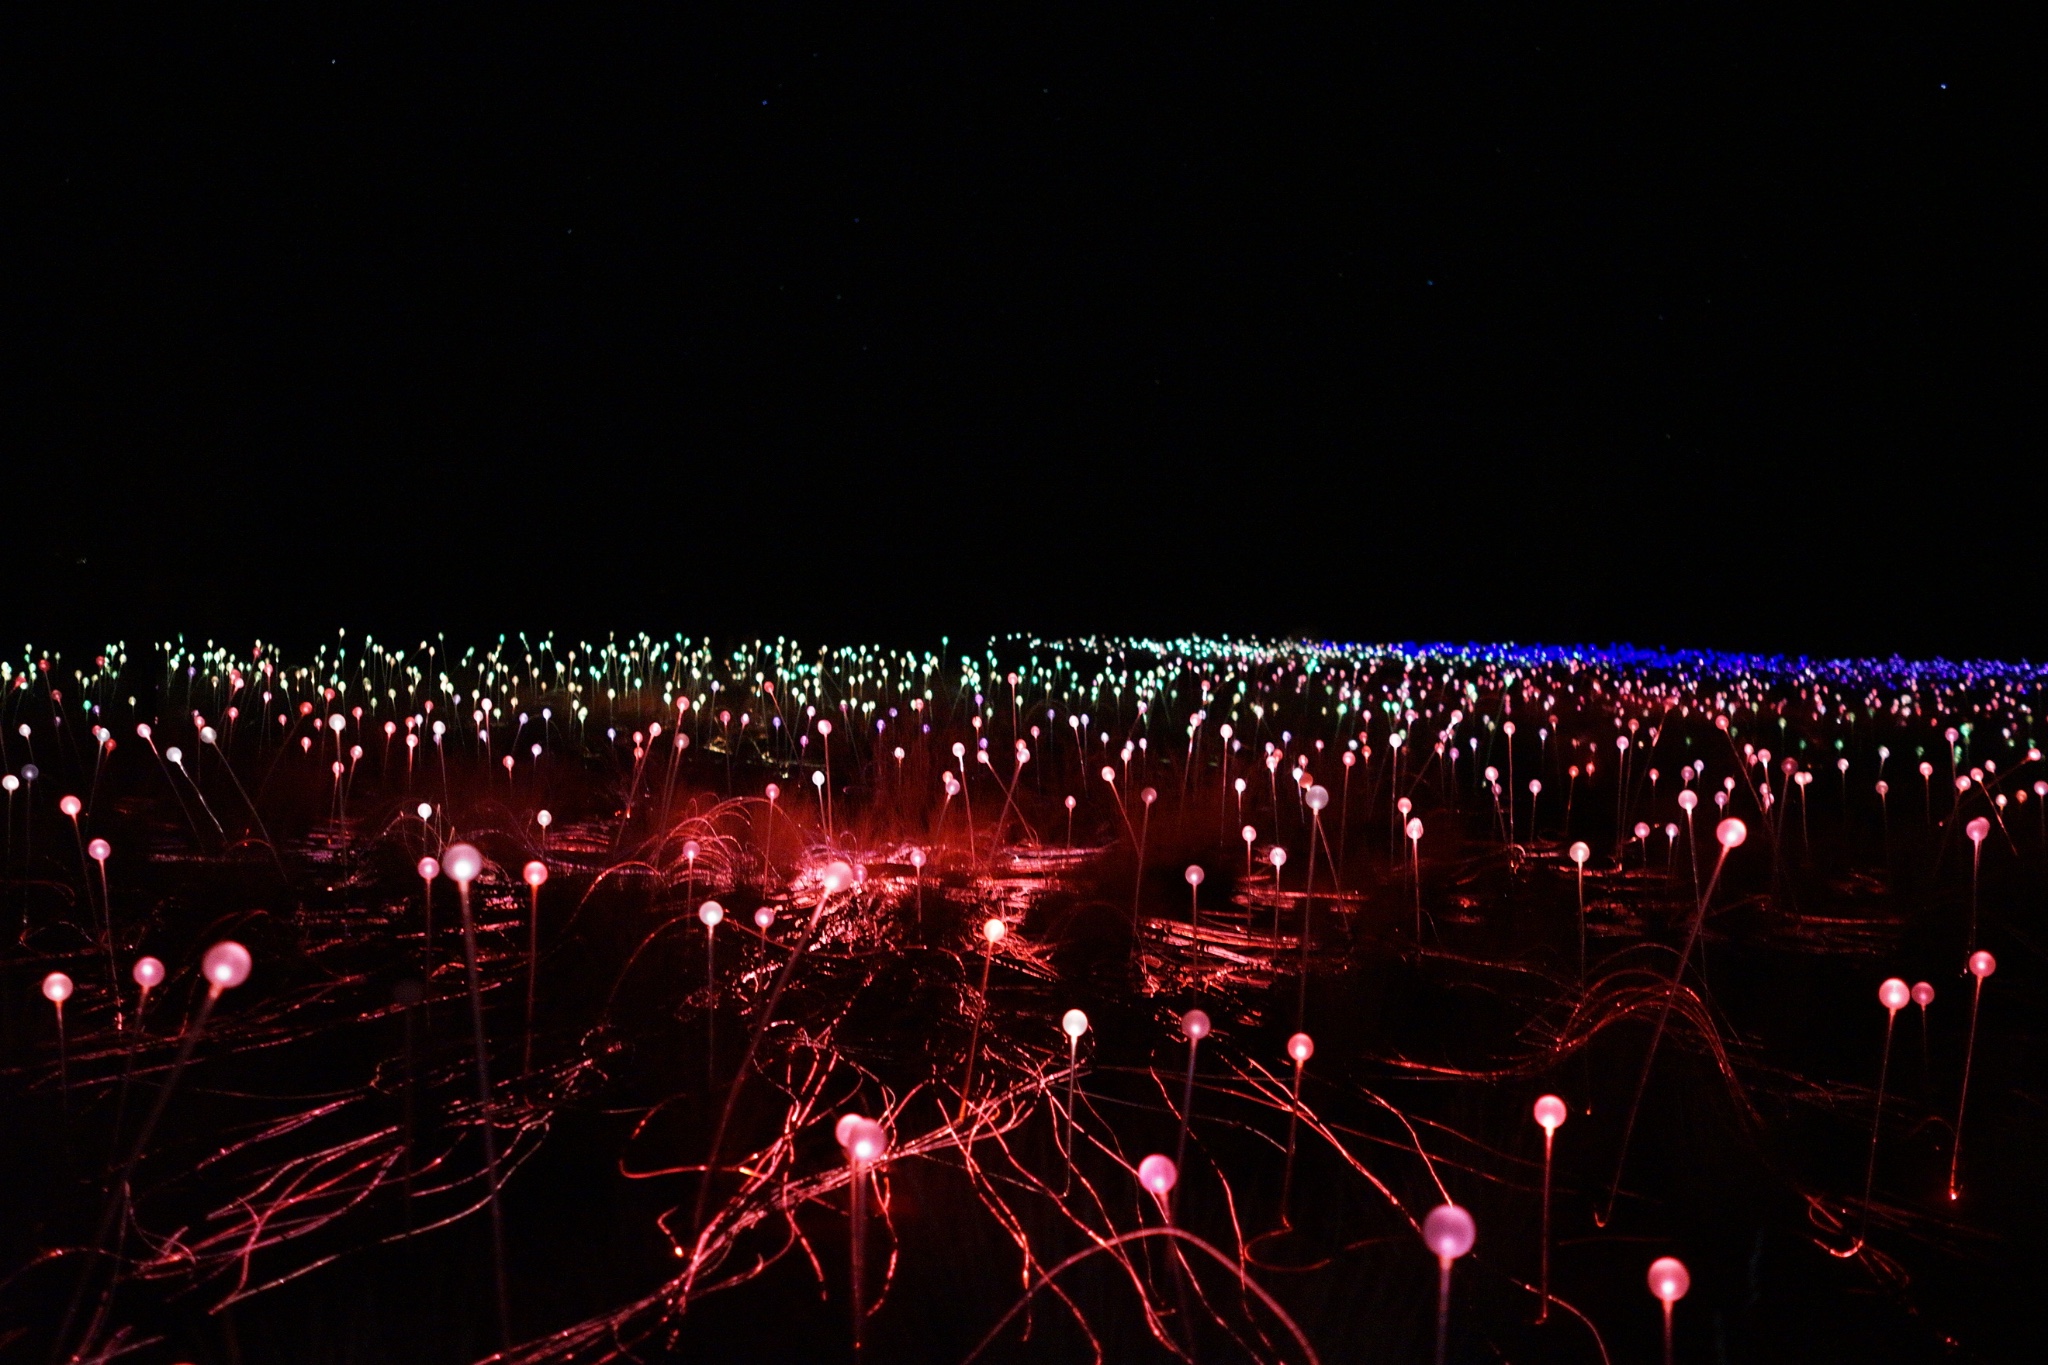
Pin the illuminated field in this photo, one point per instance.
(540, 931)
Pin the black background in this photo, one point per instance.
(1675, 324)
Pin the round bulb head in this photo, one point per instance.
(1551, 1112)
(1301, 1047)
(148, 973)
(57, 988)
(1157, 1174)
(1978, 829)
(100, 850)
(463, 863)
(1923, 994)
(1195, 1024)
(71, 806)
(1194, 875)
(535, 873)
(691, 848)
(1731, 832)
(711, 912)
(1894, 994)
(865, 1140)
(764, 917)
(429, 868)
(1278, 857)
(1248, 834)
(993, 930)
(1448, 1231)
(226, 964)
(1982, 964)
(1317, 798)
(1669, 1279)
(1580, 853)
(917, 858)
(1109, 774)
(1074, 1023)
(1687, 801)
(1415, 829)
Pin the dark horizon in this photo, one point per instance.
(1707, 332)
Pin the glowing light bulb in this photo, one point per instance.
(1194, 875)
(1195, 1024)
(865, 1141)
(71, 806)
(1982, 964)
(1551, 1112)
(1923, 994)
(429, 868)
(993, 930)
(1301, 1047)
(711, 912)
(1978, 829)
(1731, 832)
(57, 988)
(1894, 994)
(764, 917)
(1669, 1279)
(1316, 798)
(1157, 1174)
(148, 973)
(99, 850)
(1074, 1023)
(1449, 1232)
(1277, 857)
(463, 863)
(226, 965)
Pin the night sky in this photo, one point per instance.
(1670, 324)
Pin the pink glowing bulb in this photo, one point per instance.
(1642, 830)
(1731, 832)
(1926, 770)
(865, 1141)
(535, 873)
(917, 858)
(711, 912)
(99, 850)
(1978, 829)
(772, 792)
(1404, 805)
(463, 863)
(764, 917)
(1535, 787)
(1688, 800)
(993, 930)
(1157, 1174)
(1449, 1232)
(1414, 828)
(1149, 795)
(1248, 834)
(1669, 1279)
(1301, 1047)
(1551, 1113)
(824, 727)
(1277, 857)
(1071, 803)
(837, 877)
(57, 988)
(1982, 964)
(71, 805)
(1923, 994)
(1109, 774)
(1894, 995)
(1195, 1024)
(429, 868)
(691, 848)
(1579, 853)
(1316, 798)
(817, 779)
(1074, 1023)
(226, 964)
(148, 973)
(1194, 876)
